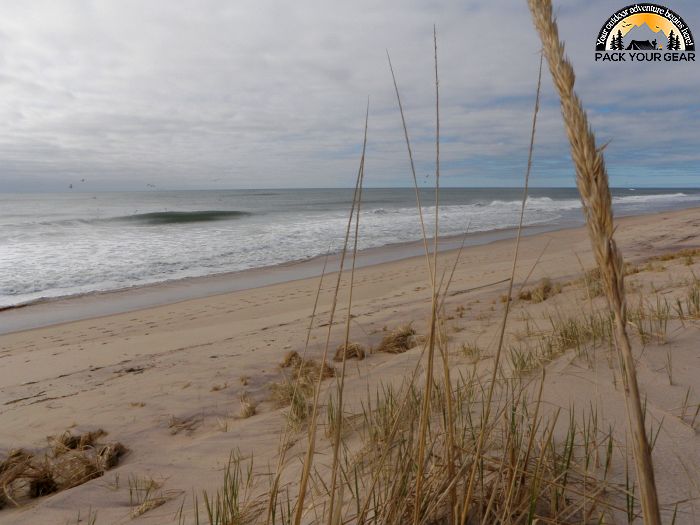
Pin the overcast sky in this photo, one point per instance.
(251, 94)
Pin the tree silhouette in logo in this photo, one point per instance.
(674, 42)
(616, 42)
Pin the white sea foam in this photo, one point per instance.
(59, 245)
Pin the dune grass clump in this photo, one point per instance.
(593, 283)
(351, 351)
(42, 481)
(686, 254)
(690, 307)
(144, 495)
(398, 341)
(282, 394)
(108, 456)
(540, 292)
(631, 268)
(308, 370)
(290, 359)
(294, 390)
(183, 424)
(248, 406)
(68, 441)
(233, 503)
(525, 474)
(471, 350)
(13, 468)
(70, 460)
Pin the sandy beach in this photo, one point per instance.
(309, 263)
(167, 381)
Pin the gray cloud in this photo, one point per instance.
(257, 94)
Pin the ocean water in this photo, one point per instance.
(54, 245)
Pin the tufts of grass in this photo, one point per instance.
(522, 360)
(692, 300)
(90, 519)
(307, 369)
(304, 374)
(144, 495)
(399, 340)
(631, 269)
(352, 351)
(686, 254)
(69, 460)
(541, 292)
(282, 393)
(248, 406)
(68, 441)
(294, 392)
(291, 359)
(593, 283)
(286, 394)
(233, 503)
(42, 481)
(525, 475)
(183, 424)
(651, 320)
(471, 351)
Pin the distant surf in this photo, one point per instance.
(55, 245)
(178, 217)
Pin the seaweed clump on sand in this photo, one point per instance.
(68, 461)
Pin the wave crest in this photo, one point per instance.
(179, 217)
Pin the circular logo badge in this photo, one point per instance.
(645, 27)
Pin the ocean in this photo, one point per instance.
(61, 244)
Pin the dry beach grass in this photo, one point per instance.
(559, 454)
(484, 403)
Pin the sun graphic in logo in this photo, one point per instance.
(645, 31)
(645, 27)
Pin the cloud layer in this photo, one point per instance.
(220, 94)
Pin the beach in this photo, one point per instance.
(319, 264)
(167, 381)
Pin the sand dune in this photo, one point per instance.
(167, 381)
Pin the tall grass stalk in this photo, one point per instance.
(425, 415)
(592, 182)
(341, 384)
(413, 169)
(284, 438)
(308, 460)
(499, 349)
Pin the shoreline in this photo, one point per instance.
(177, 381)
(44, 312)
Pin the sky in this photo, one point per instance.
(214, 94)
